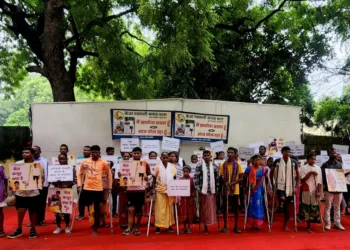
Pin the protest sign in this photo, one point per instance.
(179, 171)
(297, 150)
(72, 160)
(201, 127)
(179, 188)
(170, 144)
(132, 174)
(152, 164)
(336, 181)
(128, 144)
(199, 154)
(25, 176)
(341, 149)
(256, 146)
(60, 200)
(217, 146)
(290, 143)
(218, 162)
(140, 123)
(112, 160)
(244, 165)
(80, 159)
(324, 152)
(60, 173)
(346, 161)
(320, 159)
(245, 153)
(149, 146)
(193, 169)
(276, 155)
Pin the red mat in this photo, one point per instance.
(81, 239)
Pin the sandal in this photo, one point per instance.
(189, 231)
(224, 230)
(137, 232)
(185, 231)
(2, 234)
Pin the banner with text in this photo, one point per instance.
(26, 176)
(60, 173)
(60, 200)
(140, 123)
(201, 127)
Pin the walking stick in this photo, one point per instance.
(294, 202)
(176, 217)
(81, 190)
(149, 215)
(274, 196)
(266, 204)
(319, 207)
(110, 212)
(247, 205)
(199, 213)
(217, 210)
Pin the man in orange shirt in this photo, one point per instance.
(93, 169)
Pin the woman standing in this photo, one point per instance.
(256, 174)
(311, 185)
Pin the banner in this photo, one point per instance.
(132, 174)
(201, 127)
(181, 188)
(60, 200)
(246, 153)
(60, 173)
(336, 180)
(140, 123)
(25, 176)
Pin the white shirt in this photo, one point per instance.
(44, 166)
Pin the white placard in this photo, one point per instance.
(246, 153)
(79, 161)
(218, 162)
(180, 188)
(244, 165)
(217, 146)
(152, 164)
(277, 155)
(112, 158)
(193, 169)
(324, 152)
(290, 143)
(60, 173)
(320, 159)
(179, 171)
(297, 150)
(149, 146)
(341, 149)
(170, 144)
(128, 144)
(346, 161)
(54, 160)
(199, 154)
(256, 146)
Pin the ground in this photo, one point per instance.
(81, 239)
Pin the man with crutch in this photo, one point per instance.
(94, 168)
(287, 176)
(231, 173)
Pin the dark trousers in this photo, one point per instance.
(347, 196)
(81, 206)
(59, 219)
(114, 202)
(42, 205)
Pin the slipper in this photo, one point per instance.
(137, 232)
(2, 234)
(184, 231)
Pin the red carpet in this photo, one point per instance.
(81, 239)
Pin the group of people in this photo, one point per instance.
(214, 189)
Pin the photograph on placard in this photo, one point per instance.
(72, 160)
(132, 173)
(272, 145)
(118, 122)
(336, 181)
(60, 200)
(25, 176)
(180, 124)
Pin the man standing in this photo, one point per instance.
(110, 151)
(43, 193)
(332, 198)
(206, 181)
(81, 203)
(287, 174)
(93, 169)
(231, 173)
(27, 200)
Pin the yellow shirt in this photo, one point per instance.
(239, 171)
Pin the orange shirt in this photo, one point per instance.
(93, 174)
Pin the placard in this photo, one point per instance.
(336, 181)
(128, 144)
(181, 188)
(201, 127)
(199, 154)
(72, 160)
(179, 171)
(193, 169)
(297, 150)
(346, 161)
(132, 174)
(140, 123)
(290, 143)
(324, 152)
(152, 164)
(341, 149)
(80, 159)
(280, 143)
(60, 173)
(320, 159)
(256, 146)
(60, 200)
(25, 176)
(170, 144)
(150, 145)
(112, 158)
(244, 165)
(277, 155)
(218, 162)
(246, 153)
(217, 146)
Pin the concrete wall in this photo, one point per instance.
(79, 124)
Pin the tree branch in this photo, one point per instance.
(137, 38)
(97, 22)
(35, 69)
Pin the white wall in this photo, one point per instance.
(79, 124)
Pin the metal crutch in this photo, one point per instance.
(294, 202)
(149, 215)
(110, 212)
(266, 204)
(247, 205)
(199, 213)
(77, 206)
(274, 196)
(319, 207)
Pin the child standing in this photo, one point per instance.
(3, 196)
(187, 206)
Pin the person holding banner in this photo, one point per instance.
(311, 185)
(231, 174)
(93, 169)
(3, 196)
(206, 181)
(123, 200)
(334, 198)
(63, 160)
(26, 200)
(164, 209)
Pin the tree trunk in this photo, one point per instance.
(62, 83)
